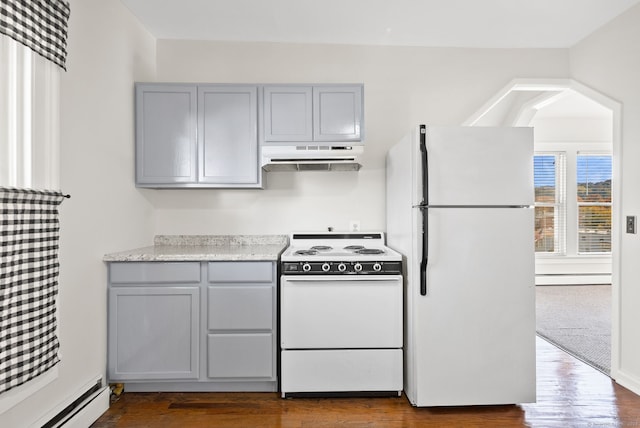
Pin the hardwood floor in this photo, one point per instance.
(570, 394)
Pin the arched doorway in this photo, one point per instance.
(538, 103)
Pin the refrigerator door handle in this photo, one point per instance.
(425, 250)
(423, 208)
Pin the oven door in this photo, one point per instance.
(341, 312)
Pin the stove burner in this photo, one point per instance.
(321, 248)
(306, 252)
(370, 251)
(354, 247)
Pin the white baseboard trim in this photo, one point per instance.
(628, 382)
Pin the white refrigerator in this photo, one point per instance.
(460, 209)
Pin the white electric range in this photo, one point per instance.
(341, 315)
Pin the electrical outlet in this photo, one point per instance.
(354, 226)
(631, 224)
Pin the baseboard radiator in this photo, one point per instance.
(82, 409)
(573, 279)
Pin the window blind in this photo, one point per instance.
(593, 177)
(550, 203)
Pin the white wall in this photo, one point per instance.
(403, 86)
(573, 130)
(609, 61)
(108, 50)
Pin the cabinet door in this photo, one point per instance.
(165, 134)
(153, 333)
(228, 134)
(288, 113)
(337, 113)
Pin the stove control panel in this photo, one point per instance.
(342, 268)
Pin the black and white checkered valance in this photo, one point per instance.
(29, 234)
(41, 25)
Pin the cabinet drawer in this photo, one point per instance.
(240, 308)
(240, 272)
(154, 272)
(240, 355)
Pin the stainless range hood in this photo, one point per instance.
(311, 158)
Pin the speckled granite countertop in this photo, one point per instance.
(172, 248)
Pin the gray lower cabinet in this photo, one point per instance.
(193, 326)
(190, 135)
(322, 113)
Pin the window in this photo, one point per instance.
(29, 105)
(579, 224)
(593, 176)
(549, 203)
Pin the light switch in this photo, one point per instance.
(631, 224)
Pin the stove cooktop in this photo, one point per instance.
(339, 253)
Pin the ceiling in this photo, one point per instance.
(436, 23)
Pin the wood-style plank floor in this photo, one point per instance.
(570, 394)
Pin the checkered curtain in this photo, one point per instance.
(29, 233)
(41, 25)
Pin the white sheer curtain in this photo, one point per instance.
(29, 118)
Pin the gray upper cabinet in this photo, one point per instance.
(165, 134)
(228, 134)
(197, 135)
(288, 113)
(337, 113)
(303, 113)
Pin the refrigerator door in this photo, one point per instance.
(479, 166)
(472, 337)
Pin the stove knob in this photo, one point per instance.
(357, 267)
(306, 267)
(377, 267)
(342, 267)
(326, 267)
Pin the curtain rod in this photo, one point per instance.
(34, 191)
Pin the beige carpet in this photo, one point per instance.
(577, 318)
